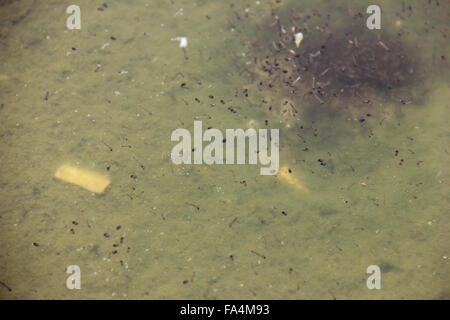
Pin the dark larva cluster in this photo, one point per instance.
(342, 67)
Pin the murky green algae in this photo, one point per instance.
(211, 232)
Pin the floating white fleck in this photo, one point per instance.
(183, 41)
(179, 12)
(298, 39)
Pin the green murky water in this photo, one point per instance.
(107, 98)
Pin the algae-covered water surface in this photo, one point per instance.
(94, 205)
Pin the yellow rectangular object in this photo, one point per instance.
(89, 180)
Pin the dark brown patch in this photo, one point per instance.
(340, 68)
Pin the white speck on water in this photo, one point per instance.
(183, 41)
(180, 12)
(298, 39)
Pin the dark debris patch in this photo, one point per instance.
(340, 68)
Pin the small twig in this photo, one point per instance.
(232, 222)
(258, 254)
(381, 43)
(324, 72)
(192, 205)
(6, 286)
(202, 117)
(317, 97)
(110, 149)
